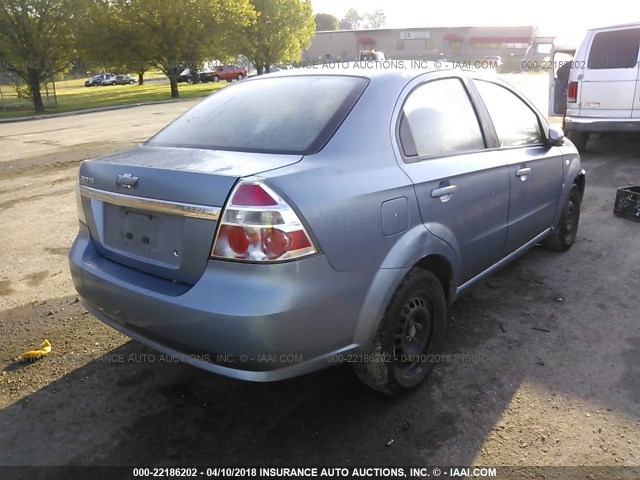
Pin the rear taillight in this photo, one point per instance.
(572, 92)
(257, 225)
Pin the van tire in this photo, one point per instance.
(579, 139)
(409, 335)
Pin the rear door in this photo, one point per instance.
(535, 170)
(610, 74)
(461, 188)
(561, 61)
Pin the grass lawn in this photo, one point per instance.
(73, 95)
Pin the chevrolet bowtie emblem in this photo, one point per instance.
(127, 180)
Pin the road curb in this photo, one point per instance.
(96, 110)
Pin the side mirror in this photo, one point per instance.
(556, 136)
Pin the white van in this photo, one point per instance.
(603, 89)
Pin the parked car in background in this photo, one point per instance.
(602, 84)
(271, 248)
(495, 60)
(99, 80)
(110, 81)
(185, 76)
(125, 80)
(228, 73)
(371, 55)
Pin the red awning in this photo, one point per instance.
(453, 37)
(366, 41)
(526, 40)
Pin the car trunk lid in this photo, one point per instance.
(156, 209)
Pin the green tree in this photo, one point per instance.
(377, 19)
(282, 30)
(325, 22)
(183, 33)
(36, 40)
(107, 41)
(353, 19)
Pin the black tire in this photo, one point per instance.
(216, 78)
(239, 77)
(410, 332)
(565, 234)
(579, 139)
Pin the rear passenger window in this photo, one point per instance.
(617, 49)
(438, 118)
(515, 123)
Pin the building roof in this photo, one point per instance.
(427, 27)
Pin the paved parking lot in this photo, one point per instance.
(543, 364)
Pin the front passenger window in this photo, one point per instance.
(515, 123)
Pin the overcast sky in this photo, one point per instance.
(553, 17)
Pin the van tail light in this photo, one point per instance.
(572, 92)
(257, 225)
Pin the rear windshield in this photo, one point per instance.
(269, 115)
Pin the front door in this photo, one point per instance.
(535, 169)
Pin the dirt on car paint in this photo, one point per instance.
(541, 364)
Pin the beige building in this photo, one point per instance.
(451, 43)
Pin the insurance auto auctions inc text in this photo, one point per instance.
(377, 472)
(398, 64)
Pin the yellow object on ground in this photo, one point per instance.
(32, 355)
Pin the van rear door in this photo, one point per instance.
(561, 61)
(610, 73)
(636, 98)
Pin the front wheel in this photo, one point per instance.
(408, 337)
(565, 234)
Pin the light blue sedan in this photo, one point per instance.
(313, 217)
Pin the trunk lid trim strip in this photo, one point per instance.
(153, 205)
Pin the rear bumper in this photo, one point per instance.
(601, 125)
(251, 322)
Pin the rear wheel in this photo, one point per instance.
(240, 77)
(216, 78)
(565, 235)
(410, 332)
(579, 139)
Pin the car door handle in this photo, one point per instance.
(523, 172)
(443, 191)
